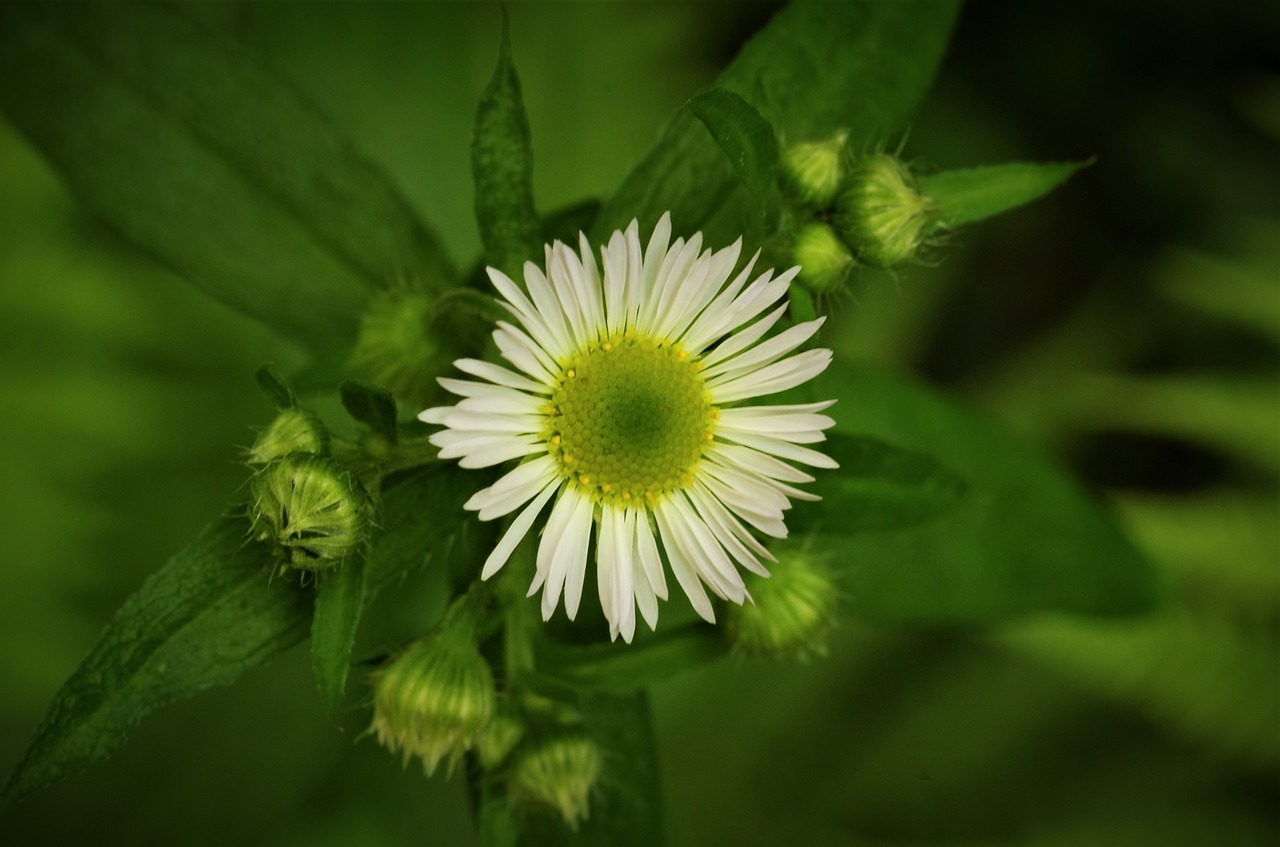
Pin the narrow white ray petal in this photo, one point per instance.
(479, 422)
(468, 389)
(758, 491)
(647, 550)
(788, 408)
(520, 354)
(713, 563)
(524, 310)
(785, 450)
(700, 289)
(500, 375)
(551, 536)
(567, 287)
(779, 376)
(517, 531)
(742, 505)
(765, 352)
(514, 403)
(646, 601)
(755, 299)
(739, 341)
(705, 329)
(435, 415)
(680, 566)
(768, 423)
(548, 308)
(496, 454)
(690, 269)
(796, 436)
(606, 572)
(512, 490)
(454, 443)
(737, 540)
(757, 462)
(568, 567)
(652, 293)
(654, 255)
(635, 273)
(614, 259)
(619, 552)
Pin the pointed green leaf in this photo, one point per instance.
(964, 196)
(626, 805)
(502, 168)
(745, 138)
(878, 486)
(858, 65)
(370, 405)
(206, 617)
(1024, 538)
(212, 613)
(195, 153)
(275, 387)
(339, 602)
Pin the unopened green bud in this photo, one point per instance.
(499, 738)
(559, 773)
(435, 699)
(882, 214)
(396, 347)
(823, 258)
(812, 171)
(794, 608)
(294, 430)
(311, 509)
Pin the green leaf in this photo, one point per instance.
(878, 486)
(203, 619)
(339, 602)
(858, 65)
(1025, 538)
(275, 387)
(195, 153)
(370, 405)
(502, 168)
(212, 613)
(964, 196)
(745, 138)
(626, 807)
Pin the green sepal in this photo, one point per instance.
(339, 602)
(370, 405)
(502, 169)
(965, 196)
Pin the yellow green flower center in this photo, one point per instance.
(629, 419)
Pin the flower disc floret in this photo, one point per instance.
(630, 418)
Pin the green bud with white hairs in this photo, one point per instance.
(881, 213)
(812, 171)
(314, 512)
(559, 773)
(294, 430)
(823, 258)
(794, 609)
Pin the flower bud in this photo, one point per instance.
(812, 171)
(559, 773)
(823, 258)
(435, 699)
(396, 347)
(294, 430)
(794, 608)
(311, 509)
(499, 738)
(881, 213)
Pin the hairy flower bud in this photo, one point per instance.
(499, 738)
(435, 699)
(823, 258)
(794, 608)
(812, 171)
(312, 510)
(881, 213)
(559, 773)
(293, 430)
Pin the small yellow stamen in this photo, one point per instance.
(571, 373)
(567, 459)
(584, 479)
(626, 495)
(555, 439)
(606, 488)
(606, 347)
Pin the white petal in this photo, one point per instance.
(522, 354)
(514, 489)
(517, 531)
(569, 559)
(785, 450)
(779, 376)
(767, 351)
(647, 550)
(757, 462)
(713, 564)
(500, 375)
(741, 340)
(736, 538)
(681, 567)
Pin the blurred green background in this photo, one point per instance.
(1129, 325)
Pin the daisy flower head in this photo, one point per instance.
(623, 405)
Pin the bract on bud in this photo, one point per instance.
(435, 699)
(823, 258)
(559, 773)
(812, 171)
(881, 213)
(313, 511)
(499, 738)
(794, 608)
(293, 430)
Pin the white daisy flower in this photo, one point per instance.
(622, 408)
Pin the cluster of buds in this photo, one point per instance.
(866, 210)
(309, 508)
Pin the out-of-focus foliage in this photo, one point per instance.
(1099, 324)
